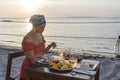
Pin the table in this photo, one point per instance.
(43, 71)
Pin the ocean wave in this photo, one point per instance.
(12, 34)
(9, 41)
(82, 37)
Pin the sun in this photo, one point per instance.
(31, 5)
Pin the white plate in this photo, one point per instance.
(57, 57)
(88, 64)
(48, 57)
(42, 61)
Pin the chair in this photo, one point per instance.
(11, 56)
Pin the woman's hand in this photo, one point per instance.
(53, 45)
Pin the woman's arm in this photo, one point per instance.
(33, 58)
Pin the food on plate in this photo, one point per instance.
(60, 53)
(67, 56)
(60, 64)
(91, 65)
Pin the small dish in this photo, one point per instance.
(87, 64)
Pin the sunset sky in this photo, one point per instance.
(59, 8)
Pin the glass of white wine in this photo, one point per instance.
(73, 62)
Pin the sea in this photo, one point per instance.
(80, 33)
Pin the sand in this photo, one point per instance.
(109, 68)
(3, 62)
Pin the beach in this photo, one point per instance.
(109, 67)
(3, 62)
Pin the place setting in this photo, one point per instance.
(58, 61)
(86, 66)
(68, 62)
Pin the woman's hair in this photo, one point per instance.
(37, 19)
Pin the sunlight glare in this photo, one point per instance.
(27, 20)
(29, 27)
(32, 4)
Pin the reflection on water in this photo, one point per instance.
(87, 36)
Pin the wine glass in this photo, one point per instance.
(67, 53)
(73, 63)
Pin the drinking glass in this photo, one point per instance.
(67, 53)
(73, 62)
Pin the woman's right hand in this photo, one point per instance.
(53, 45)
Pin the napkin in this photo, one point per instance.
(87, 72)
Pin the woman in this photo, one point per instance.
(34, 44)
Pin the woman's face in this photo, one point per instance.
(40, 28)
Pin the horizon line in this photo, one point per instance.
(63, 17)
